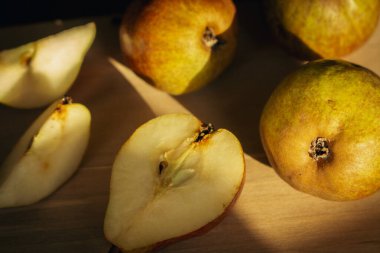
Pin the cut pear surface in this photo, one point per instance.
(37, 73)
(47, 154)
(172, 177)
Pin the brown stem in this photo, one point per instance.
(66, 100)
(205, 129)
(209, 37)
(319, 149)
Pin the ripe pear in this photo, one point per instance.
(179, 46)
(320, 130)
(175, 177)
(46, 155)
(40, 72)
(312, 29)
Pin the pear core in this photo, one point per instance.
(27, 57)
(171, 169)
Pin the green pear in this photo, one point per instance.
(312, 29)
(40, 72)
(320, 130)
(47, 154)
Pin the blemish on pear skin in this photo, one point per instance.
(60, 112)
(45, 166)
(332, 104)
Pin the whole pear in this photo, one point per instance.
(321, 130)
(179, 46)
(312, 29)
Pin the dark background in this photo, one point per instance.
(19, 12)
(14, 12)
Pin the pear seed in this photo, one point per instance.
(163, 165)
(181, 176)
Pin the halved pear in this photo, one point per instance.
(47, 154)
(173, 178)
(37, 73)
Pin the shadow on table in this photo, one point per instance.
(237, 97)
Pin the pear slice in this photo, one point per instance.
(46, 155)
(37, 73)
(173, 178)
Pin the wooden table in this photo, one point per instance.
(269, 216)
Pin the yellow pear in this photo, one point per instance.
(322, 29)
(320, 130)
(179, 46)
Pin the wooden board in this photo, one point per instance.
(269, 216)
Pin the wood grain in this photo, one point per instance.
(269, 216)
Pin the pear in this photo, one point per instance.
(179, 46)
(320, 130)
(312, 29)
(175, 177)
(40, 72)
(47, 154)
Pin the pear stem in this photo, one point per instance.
(66, 100)
(319, 149)
(205, 130)
(209, 37)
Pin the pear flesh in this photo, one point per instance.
(171, 178)
(46, 155)
(40, 72)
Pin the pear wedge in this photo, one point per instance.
(46, 155)
(40, 72)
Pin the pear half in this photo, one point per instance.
(173, 178)
(37, 73)
(46, 155)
